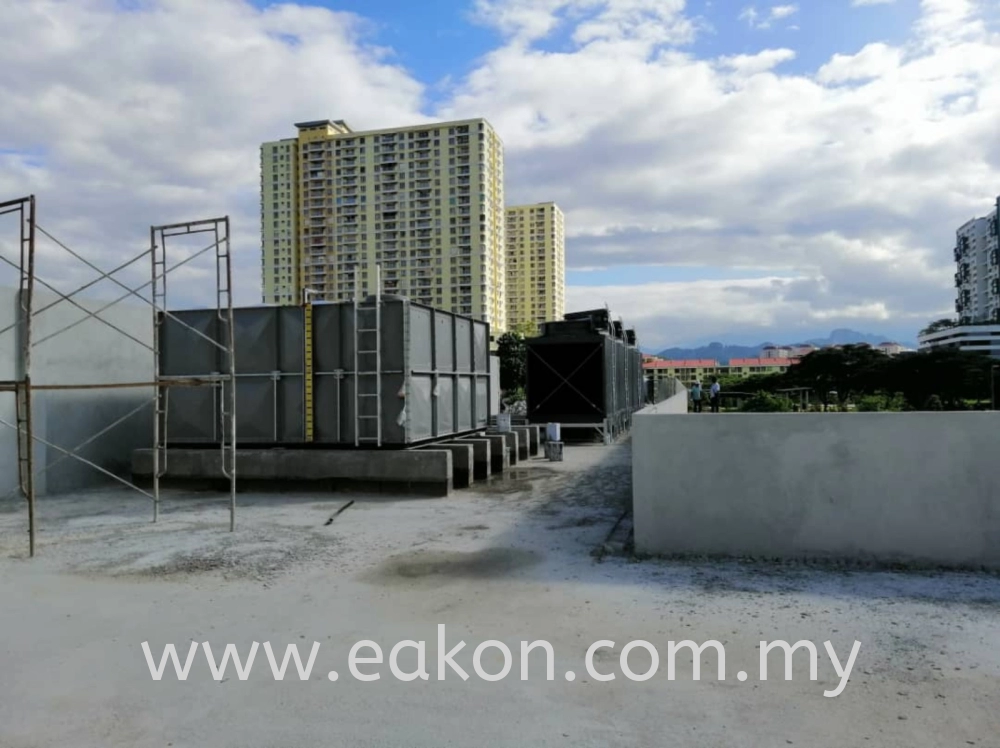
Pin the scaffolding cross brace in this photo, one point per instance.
(22, 385)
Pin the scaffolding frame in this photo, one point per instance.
(24, 208)
(158, 236)
(23, 387)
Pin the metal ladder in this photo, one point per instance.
(227, 413)
(307, 399)
(22, 408)
(159, 302)
(368, 367)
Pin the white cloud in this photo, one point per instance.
(156, 114)
(524, 21)
(758, 63)
(783, 11)
(765, 19)
(873, 61)
(843, 185)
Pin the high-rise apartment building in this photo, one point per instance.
(536, 264)
(977, 283)
(425, 203)
(978, 274)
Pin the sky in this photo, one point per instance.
(729, 170)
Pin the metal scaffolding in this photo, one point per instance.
(225, 380)
(23, 387)
(24, 208)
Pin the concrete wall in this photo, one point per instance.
(8, 371)
(911, 487)
(89, 353)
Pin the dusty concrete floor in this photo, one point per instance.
(510, 561)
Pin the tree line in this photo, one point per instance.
(937, 379)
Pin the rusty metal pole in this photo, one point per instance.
(157, 393)
(231, 346)
(27, 294)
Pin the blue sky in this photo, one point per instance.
(434, 39)
(440, 41)
(813, 183)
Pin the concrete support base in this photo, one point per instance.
(523, 441)
(499, 456)
(535, 445)
(511, 440)
(482, 467)
(461, 461)
(425, 471)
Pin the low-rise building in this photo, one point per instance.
(775, 351)
(891, 349)
(746, 367)
(802, 349)
(689, 371)
(982, 338)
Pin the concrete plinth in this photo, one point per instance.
(499, 457)
(523, 442)
(480, 456)
(425, 471)
(511, 440)
(535, 445)
(462, 463)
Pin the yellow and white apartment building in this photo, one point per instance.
(424, 202)
(536, 264)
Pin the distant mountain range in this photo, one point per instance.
(723, 352)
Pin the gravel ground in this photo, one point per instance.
(513, 559)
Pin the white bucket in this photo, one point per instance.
(552, 432)
(503, 422)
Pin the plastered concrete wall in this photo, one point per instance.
(8, 371)
(910, 487)
(92, 353)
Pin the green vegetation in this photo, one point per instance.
(765, 402)
(861, 379)
(513, 362)
(941, 324)
(881, 401)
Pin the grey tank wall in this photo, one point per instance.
(434, 374)
(891, 487)
(90, 353)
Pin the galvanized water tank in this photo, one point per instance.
(433, 370)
